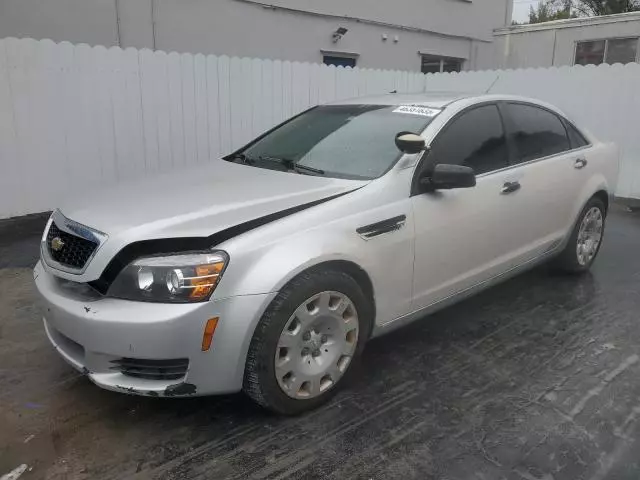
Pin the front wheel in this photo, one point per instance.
(306, 342)
(586, 238)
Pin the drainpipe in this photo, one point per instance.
(153, 23)
(507, 19)
(505, 55)
(117, 6)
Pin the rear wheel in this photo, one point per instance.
(306, 342)
(585, 241)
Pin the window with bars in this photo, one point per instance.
(610, 50)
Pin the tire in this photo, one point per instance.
(569, 260)
(315, 291)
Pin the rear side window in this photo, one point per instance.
(474, 139)
(575, 137)
(536, 133)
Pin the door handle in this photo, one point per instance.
(580, 163)
(509, 187)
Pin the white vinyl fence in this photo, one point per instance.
(604, 99)
(74, 117)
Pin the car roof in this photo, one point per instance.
(435, 99)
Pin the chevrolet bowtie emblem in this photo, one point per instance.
(57, 244)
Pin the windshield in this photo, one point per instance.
(345, 141)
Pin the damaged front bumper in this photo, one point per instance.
(152, 349)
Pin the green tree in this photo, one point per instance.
(549, 10)
(605, 7)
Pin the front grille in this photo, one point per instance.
(152, 369)
(72, 251)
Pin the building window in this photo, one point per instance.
(436, 64)
(612, 50)
(339, 61)
(621, 50)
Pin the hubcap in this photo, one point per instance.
(316, 345)
(589, 236)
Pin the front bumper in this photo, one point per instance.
(93, 333)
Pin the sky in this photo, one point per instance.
(521, 9)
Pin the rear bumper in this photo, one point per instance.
(94, 334)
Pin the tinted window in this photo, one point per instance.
(345, 141)
(536, 132)
(575, 137)
(475, 139)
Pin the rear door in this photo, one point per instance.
(549, 174)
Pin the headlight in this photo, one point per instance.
(174, 278)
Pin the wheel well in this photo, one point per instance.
(604, 196)
(355, 271)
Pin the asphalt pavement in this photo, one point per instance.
(535, 379)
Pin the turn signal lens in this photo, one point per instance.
(209, 330)
(206, 279)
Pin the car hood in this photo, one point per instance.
(199, 201)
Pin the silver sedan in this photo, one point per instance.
(268, 270)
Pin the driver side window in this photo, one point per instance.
(474, 139)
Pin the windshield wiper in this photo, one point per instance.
(291, 165)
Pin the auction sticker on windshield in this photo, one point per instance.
(417, 110)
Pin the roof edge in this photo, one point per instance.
(568, 23)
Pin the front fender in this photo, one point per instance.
(270, 268)
(258, 266)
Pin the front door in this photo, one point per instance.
(465, 236)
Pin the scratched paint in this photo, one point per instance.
(536, 379)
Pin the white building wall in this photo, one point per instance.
(553, 43)
(567, 38)
(472, 18)
(135, 23)
(239, 28)
(524, 50)
(456, 28)
(88, 21)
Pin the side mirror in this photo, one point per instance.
(445, 176)
(409, 142)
